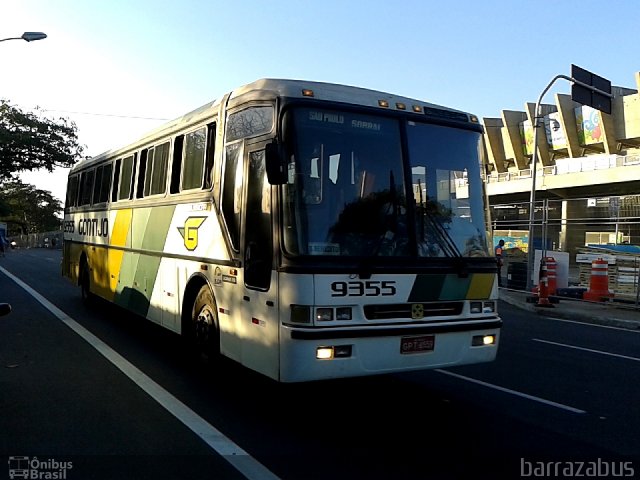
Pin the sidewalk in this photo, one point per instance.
(612, 314)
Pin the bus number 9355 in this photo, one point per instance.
(370, 288)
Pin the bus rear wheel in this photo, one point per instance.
(85, 283)
(203, 327)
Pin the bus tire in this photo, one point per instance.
(85, 283)
(203, 331)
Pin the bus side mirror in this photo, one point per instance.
(275, 165)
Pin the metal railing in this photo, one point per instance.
(568, 166)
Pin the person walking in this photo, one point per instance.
(499, 253)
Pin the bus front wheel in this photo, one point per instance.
(203, 327)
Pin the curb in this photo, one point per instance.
(601, 315)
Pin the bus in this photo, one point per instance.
(305, 230)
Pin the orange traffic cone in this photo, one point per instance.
(599, 282)
(543, 286)
(552, 276)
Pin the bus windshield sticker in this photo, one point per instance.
(334, 164)
(321, 248)
(328, 117)
(366, 125)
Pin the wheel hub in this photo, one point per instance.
(203, 326)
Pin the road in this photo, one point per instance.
(119, 397)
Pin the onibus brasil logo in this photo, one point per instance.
(34, 468)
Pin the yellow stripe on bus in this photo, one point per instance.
(121, 227)
(480, 286)
(119, 237)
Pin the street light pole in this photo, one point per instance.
(534, 158)
(27, 37)
(532, 166)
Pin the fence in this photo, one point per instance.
(38, 240)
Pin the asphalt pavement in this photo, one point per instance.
(611, 313)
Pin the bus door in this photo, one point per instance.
(259, 291)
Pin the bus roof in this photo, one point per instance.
(270, 88)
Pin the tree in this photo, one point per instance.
(28, 142)
(27, 209)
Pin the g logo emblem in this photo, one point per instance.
(190, 232)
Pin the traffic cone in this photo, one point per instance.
(599, 282)
(543, 286)
(552, 276)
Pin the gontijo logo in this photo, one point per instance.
(190, 232)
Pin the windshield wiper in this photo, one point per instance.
(444, 240)
(394, 222)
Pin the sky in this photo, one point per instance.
(121, 68)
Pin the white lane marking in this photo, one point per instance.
(241, 460)
(601, 352)
(513, 392)
(593, 324)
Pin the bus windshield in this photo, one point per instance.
(347, 192)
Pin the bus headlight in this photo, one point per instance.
(324, 314)
(475, 307)
(483, 340)
(300, 314)
(335, 351)
(324, 353)
(489, 307)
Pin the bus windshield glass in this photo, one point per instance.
(347, 192)
(448, 191)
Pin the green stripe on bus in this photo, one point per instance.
(157, 228)
(455, 288)
(432, 288)
(140, 272)
(427, 288)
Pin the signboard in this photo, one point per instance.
(589, 124)
(526, 137)
(587, 96)
(556, 137)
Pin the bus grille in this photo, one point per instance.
(404, 310)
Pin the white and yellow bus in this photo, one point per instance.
(305, 230)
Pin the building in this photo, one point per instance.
(587, 180)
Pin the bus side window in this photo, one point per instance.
(116, 182)
(159, 173)
(148, 154)
(126, 178)
(176, 165)
(211, 150)
(87, 187)
(232, 191)
(193, 160)
(142, 170)
(258, 251)
(97, 184)
(133, 176)
(103, 192)
(72, 191)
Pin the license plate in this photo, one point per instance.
(424, 343)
